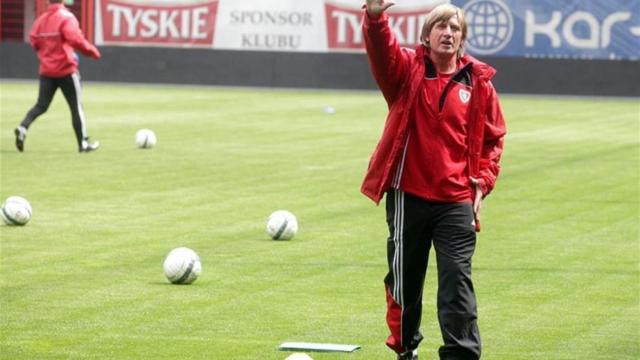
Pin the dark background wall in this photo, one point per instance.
(323, 71)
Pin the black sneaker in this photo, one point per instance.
(21, 136)
(409, 355)
(88, 146)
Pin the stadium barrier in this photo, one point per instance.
(322, 71)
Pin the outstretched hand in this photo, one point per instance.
(375, 8)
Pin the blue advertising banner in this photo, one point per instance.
(572, 29)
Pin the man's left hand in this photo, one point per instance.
(477, 201)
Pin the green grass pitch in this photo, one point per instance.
(556, 268)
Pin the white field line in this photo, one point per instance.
(592, 129)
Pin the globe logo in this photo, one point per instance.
(489, 24)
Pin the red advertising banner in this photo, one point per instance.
(344, 26)
(154, 23)
(259, 25)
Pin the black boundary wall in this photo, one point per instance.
(321, 71)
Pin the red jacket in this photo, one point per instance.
(399, 73)
(54, 36)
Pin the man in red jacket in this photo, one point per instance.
(438, 157)
(54, 36)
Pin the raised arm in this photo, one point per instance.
(375, 8)
(389, 62)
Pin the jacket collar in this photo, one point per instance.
(478, 68)
(55, 7)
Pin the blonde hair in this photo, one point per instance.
(440, 13)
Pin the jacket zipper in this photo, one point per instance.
(448, 86)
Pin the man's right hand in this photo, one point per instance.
(375, 8)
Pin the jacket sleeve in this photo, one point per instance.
(73, 36)
(33, 38)
(389, 62)
(493, 141)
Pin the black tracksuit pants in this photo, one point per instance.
(414, 225)
(71, 90)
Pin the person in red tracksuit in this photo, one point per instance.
(54, 36)
(438, 157)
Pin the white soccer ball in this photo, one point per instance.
(299, 356)
(282, 225)
(146, 139)
(182, 266)
(16, 210)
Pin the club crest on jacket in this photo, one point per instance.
(465, 95)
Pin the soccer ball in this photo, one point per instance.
(146, 139)
(182, 266)
(16, 210)
(282, 225)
